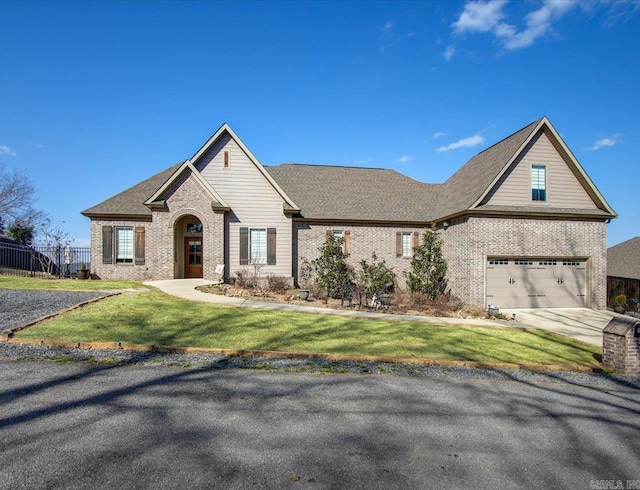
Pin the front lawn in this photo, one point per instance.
(156, 318)
(11, 282)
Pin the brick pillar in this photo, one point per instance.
(621, 345)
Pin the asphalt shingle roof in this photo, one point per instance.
(623, 260)
(466, 186)
(130, 202)
(355, 193)
(327, 192)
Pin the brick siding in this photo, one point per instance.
(466, 245)
(469, 241)
(364, 241)
(162, 260)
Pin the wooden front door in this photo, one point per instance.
(193, 257)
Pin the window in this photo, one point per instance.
(226, 158)
(498, 261)
(523, 262)
(258, 246)
(570, 262)
(405, 243)
(124, 245)
(345, 235)
(538, 183)
(548, 262)
(194, 228)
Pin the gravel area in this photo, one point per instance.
(18, 307)
(18, 352)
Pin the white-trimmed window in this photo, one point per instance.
(345, 235)
(538, 183)
(124, 245)
(407, 244)
(258, 245)
(406, 241)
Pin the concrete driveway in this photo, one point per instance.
(579, 323)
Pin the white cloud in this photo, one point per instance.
(616, 138)
(538, 24)
(465, 142)
(6, 150)
(479, 16)
(405, 159)
(438, 135)
(448, 53)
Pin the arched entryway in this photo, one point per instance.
(189, 247)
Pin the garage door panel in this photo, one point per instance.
(536, 283)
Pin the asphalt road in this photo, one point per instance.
(85, 426)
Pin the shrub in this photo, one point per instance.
(277, 284)
(428, 267)
(333, 274)
(376, 277)
(620, 300)
(306, 274)
(246, 280)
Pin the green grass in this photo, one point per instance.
(11, 282)
(155, 318)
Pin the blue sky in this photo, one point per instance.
(97, 96)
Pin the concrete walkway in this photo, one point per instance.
(579, 323)
(185, 288)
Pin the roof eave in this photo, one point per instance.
(117, 216)
(527, 214)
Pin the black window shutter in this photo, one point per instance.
(139, 245)
(244, 246)
(271, 246)
(107, 244)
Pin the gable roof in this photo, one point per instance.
(289, 206)
(354, 193)
(335, 193)
(469, 186)
(130, 202)
(472, 180)
(623, 260)
(217, 202)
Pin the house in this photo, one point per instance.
(623, 272)
(522, 224)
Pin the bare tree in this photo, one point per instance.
(17, 195)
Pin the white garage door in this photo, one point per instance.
(536, 283)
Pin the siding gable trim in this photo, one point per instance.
(288, 205)
(570, 161)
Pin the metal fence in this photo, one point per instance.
(44, 262)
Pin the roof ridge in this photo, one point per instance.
(330, 165)
(534, 123)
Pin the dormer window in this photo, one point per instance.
(538, 183)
